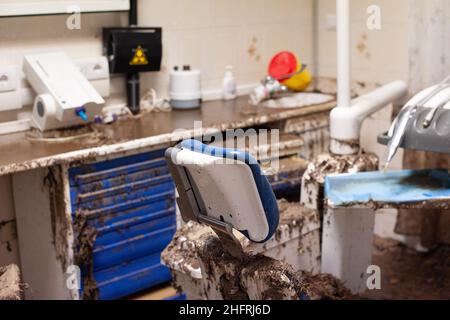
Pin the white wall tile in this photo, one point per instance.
(376, 55)
(289, 11)
(210, 34)
(391, 11)
(193, 13)
(254, 12)
(227, 13)
(223, 46)
(159, 13)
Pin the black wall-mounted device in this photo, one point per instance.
(131, 50)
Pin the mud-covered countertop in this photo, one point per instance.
(19, 153)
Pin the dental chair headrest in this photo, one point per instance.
(227, 185)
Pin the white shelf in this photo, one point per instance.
(10, 8)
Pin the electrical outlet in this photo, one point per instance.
(10, 97)
(96, 70)
(8, 79)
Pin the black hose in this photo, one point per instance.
(133, 92)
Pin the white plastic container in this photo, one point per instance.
(185, 89)
(229, 84)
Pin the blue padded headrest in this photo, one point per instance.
(268, 199)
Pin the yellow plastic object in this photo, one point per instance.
(300, 81)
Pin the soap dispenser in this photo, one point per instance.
(229, 84)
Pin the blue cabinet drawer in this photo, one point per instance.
(112, 177)
(123, 194)
(131, 209)
(105, 256)
(115, 164)
(133, 227)
(128, 278)
(129, 205)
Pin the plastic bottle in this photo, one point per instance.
(229, 84)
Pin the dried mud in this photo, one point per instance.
(85, 237)
(272, 279)
(437, 204)
(292, 213)
(333, 164)
(10, 285)
(196, 247)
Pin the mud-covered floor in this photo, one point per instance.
(406, 274)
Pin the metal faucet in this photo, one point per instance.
(268, 89)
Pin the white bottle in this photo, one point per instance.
(228, 84)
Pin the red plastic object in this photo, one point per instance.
(282, 64)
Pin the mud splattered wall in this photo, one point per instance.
(377, 55)
(210, 34)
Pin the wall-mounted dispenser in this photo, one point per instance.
(131, 50)
(65, 97)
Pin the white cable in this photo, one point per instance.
(150, 102)
(34, 138)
